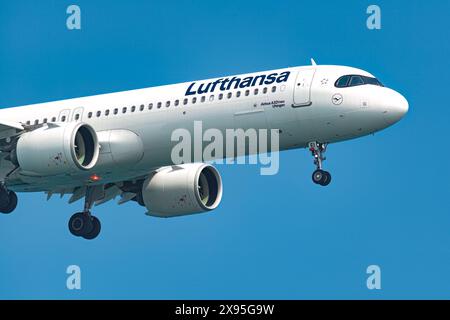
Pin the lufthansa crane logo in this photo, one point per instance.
(337, 99)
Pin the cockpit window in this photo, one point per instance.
(374, 81)
(356, 80)
(342, 81)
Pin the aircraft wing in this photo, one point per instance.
(9, 128)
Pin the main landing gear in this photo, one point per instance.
(320, 177)
(8, 200)
(83, 224)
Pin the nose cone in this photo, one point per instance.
(396, 107)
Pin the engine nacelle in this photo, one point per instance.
(119, 149)
(182, 190)
(52, 150)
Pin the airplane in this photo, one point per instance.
(119, 144)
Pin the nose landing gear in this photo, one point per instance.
(319, 176)
(83, 224)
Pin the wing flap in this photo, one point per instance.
(107, 194)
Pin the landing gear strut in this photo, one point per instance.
(83, 224)
(8, 200)
(319, 176)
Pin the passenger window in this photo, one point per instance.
(28, 122)
(99, 113)
(53, 119)
(356, 81)
(177, 102)
(247, 92)
(159, 105)
(107, 112)
(256, 91)
(185, 101)
(45, 120)
(168, 104)
(265, 90)
(194, 100)
(63, 118)
(116, 111)
(238, 94)
(124, 109)
(229, 95)
(36, 122)
(203, 99)
(77, 117)
(220, 96)
(133, 108)
(90, 115)
(150, 106)
(274, 89)
(141, 108)
(211, 97)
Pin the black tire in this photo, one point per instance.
(327, 179)
(4, 197)
(96, 227)
(80, 224)
(9, 203)
(321, 177)
(318, 176)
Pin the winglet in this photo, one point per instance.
(313, 62)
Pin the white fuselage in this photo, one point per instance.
(305, 105)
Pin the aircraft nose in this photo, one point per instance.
(396, 107)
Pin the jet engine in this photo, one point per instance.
(57, 149)
(182, 190)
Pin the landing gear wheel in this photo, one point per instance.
(83, 224)
(321, 177)
(318, 176)
(8, 201)
(96, 227)
(327, 179)
(80, 224)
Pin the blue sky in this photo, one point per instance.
(273, 236)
